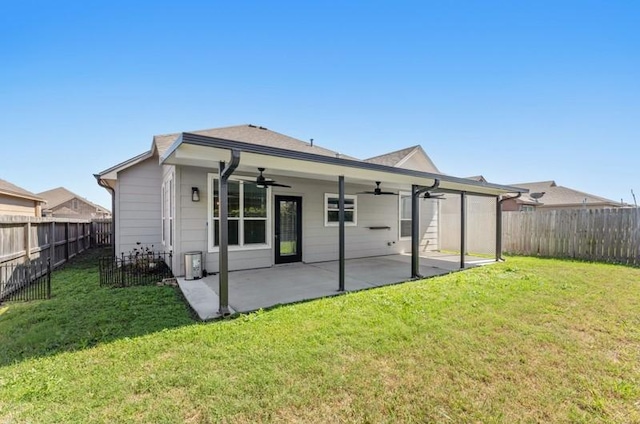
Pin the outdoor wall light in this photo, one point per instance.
(195, 194)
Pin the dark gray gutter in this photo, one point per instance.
(201, 140)
(102, 183)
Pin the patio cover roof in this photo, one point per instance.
(203, 151)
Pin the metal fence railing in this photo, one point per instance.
(26, 281)
(135, 269)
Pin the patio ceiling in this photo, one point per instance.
(202, 151)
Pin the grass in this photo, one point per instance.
(529, 340)
(82, 314)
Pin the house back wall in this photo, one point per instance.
(320, 243)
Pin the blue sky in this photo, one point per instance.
(516, 91)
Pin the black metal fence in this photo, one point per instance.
(25, 282)
(135, 269)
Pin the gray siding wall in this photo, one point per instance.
(138, 206)
(320, 243)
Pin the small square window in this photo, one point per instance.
(331, 209)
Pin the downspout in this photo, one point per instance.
(223, 254)
(104, 184)
(463, 227)
(499, 203)
(415, 225)
(341, 234)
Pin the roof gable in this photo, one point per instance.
(413, 157)
(60, 195)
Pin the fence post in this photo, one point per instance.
(27, 240)
(68, 244)
(49, 278)
(52, 242)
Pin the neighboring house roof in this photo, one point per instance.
(555, 195)
(480, 178)
(399, 157)
(10, 189)
(60, 195)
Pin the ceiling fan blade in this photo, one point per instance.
(263, 182)
(388, 193)
(275, 184)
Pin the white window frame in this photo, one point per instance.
(167, 199)
(353, 223)
(210, 218)
(400, 195)
(75, 204)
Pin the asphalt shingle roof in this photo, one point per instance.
(251, 134)
(57, 196)
(11, 189)
(392, 158)
(555, 195)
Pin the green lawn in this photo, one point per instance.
(530, 340)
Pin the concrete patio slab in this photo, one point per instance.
(250, 290)
(201, 298)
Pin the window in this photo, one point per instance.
(528, 208)
(404, 214)
(74, 204)
(331, 209)
(249, 215)
(167, 212)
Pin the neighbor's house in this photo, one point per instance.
(170, 197)
(545, 195)
(62, 203)
(15, 200)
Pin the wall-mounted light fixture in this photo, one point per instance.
(195, 194)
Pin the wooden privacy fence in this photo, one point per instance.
(101, 232)
(23, 239)
(606, 235)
